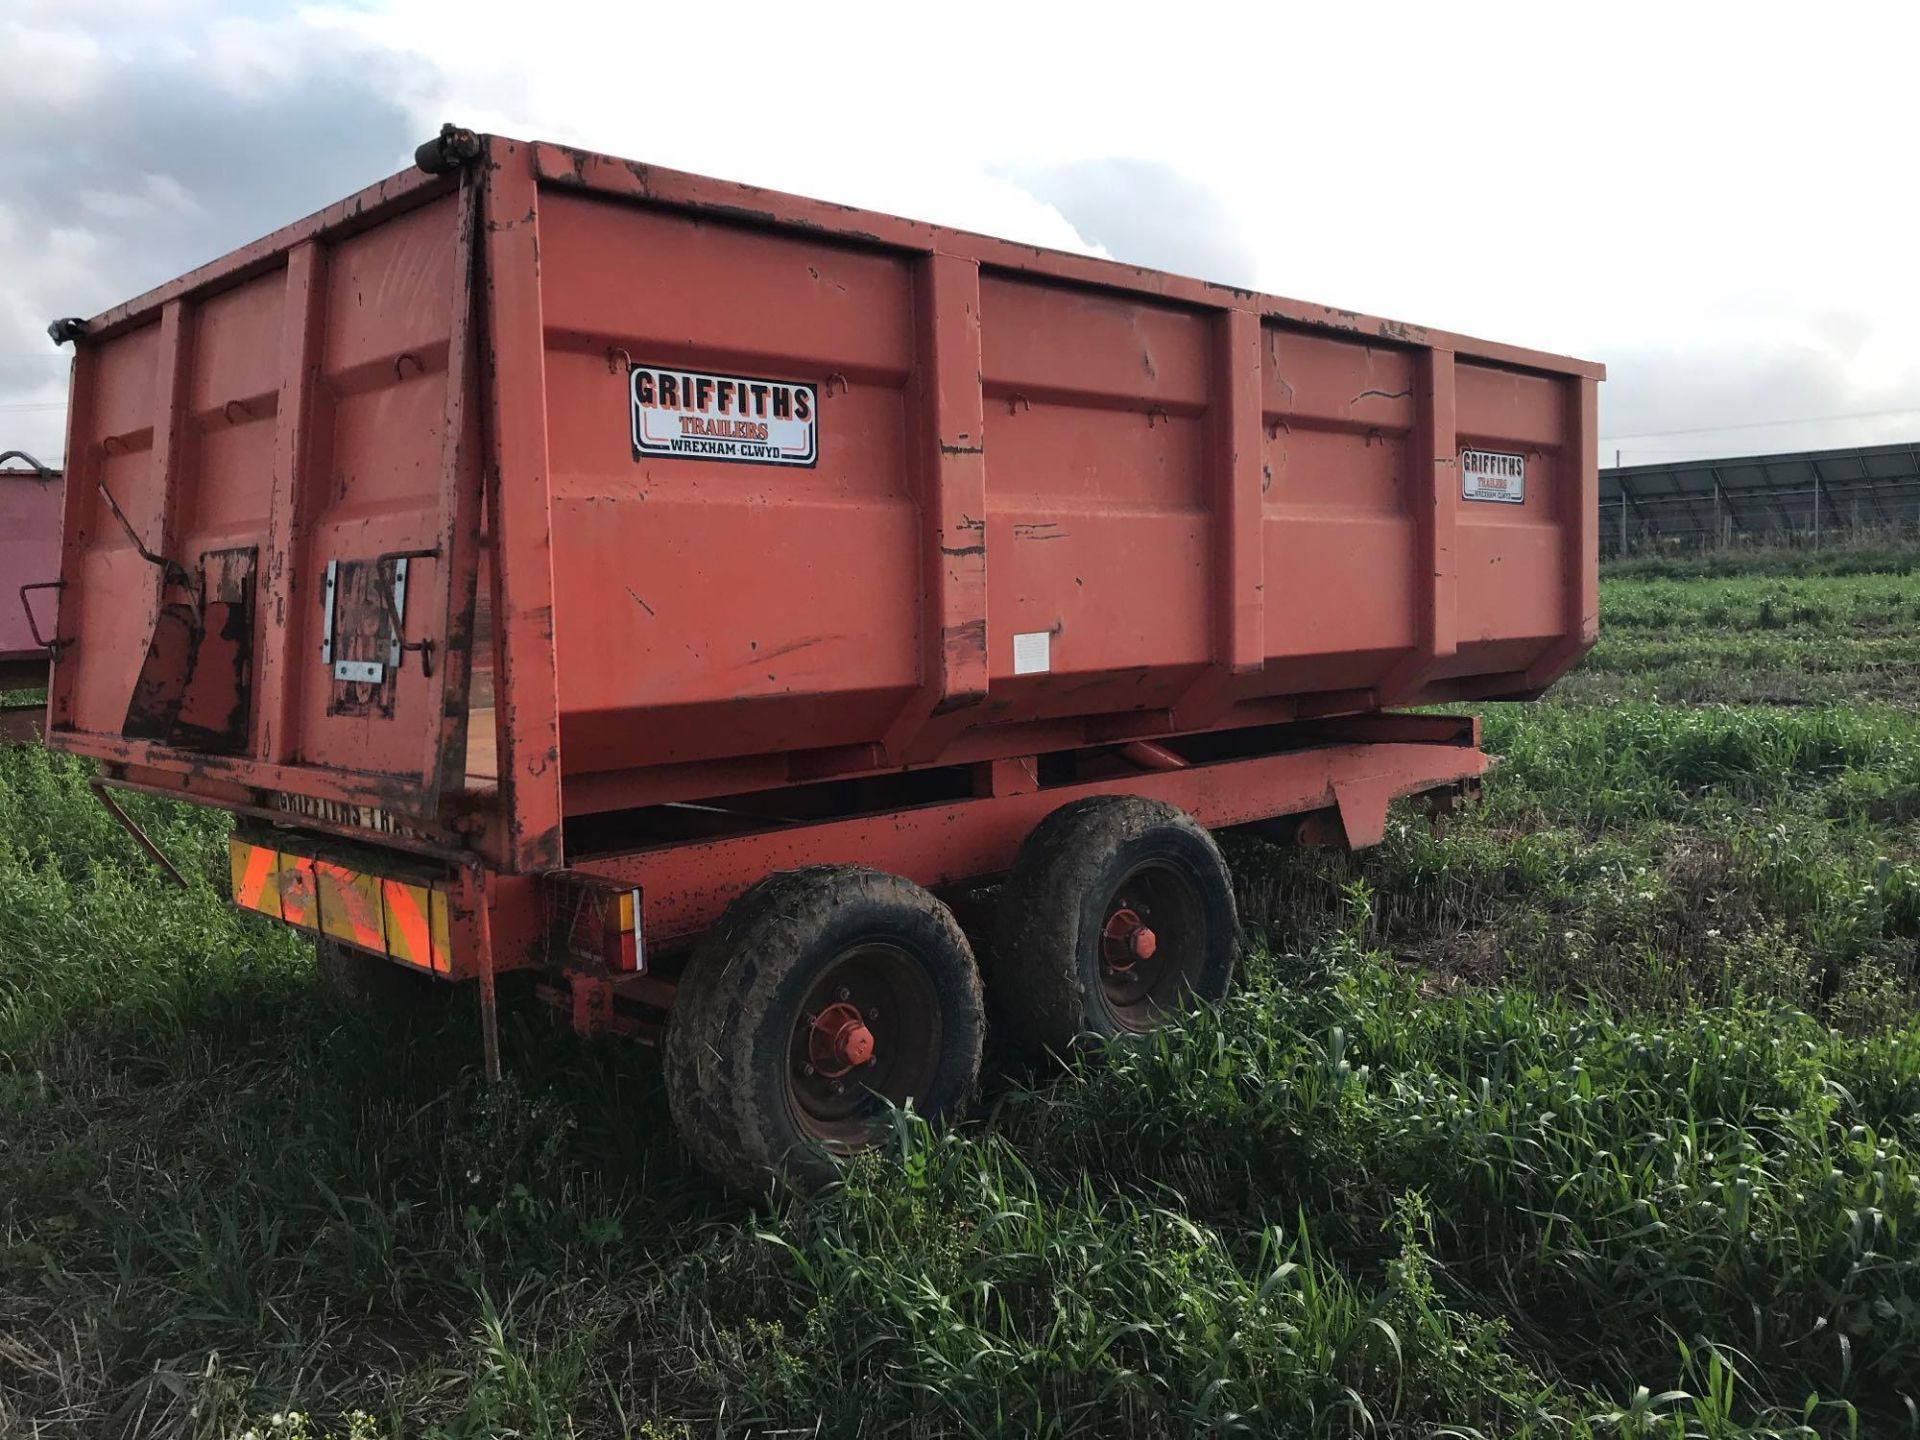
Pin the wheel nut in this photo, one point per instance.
(1126, 939)
(838, 1041)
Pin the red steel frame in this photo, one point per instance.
(499, 844)
(685, 886)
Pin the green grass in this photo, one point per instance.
(1855, 552)
(1770, 639)
(1652, 855)
(1592, 1112)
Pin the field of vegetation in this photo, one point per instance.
(1592, 1112)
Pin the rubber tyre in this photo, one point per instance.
(1047, 973)
(378, 988)
(742, 1007)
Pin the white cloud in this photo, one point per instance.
(143, 197)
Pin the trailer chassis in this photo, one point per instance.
(1328, 781)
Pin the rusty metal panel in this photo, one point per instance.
(737, 490)
(232, 442)
(749, 605)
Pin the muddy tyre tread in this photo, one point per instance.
(723, 1104)
(1043, 994)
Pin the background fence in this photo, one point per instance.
(1805, 498)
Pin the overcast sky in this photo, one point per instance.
(1715, 200)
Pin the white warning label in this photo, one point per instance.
(1489, 475)
(689, 415)
(1033, 652)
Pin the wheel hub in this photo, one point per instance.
(1126, 939)
(839, 1041)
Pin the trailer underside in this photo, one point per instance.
(644, 904)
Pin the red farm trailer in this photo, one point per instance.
(674, 588)
(29, 567)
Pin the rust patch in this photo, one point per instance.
(195, 687)
(163, 674)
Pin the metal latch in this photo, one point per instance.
(394, 603)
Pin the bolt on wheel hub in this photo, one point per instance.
(1125, 939)
(839, 1041)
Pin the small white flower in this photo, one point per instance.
(1713, 934)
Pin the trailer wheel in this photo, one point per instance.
(1118, 915)
(822, 997)
(369, 985)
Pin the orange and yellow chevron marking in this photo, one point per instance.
(350, 906)
(255, 872)
(299, 892)
(416, 925)
(398, 918)
(409, 936)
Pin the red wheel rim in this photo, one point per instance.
(867, 1036)
(1151, 945)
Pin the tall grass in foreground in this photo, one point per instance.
(1343, 1205)
(1652, 1175)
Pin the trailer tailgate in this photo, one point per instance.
(273, 510)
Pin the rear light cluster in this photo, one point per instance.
(597, 923)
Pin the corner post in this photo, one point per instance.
(519, 501)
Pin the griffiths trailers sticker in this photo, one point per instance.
(688, 415)
(1489, 475)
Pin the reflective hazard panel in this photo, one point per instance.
(350, 906)
(416, 924)
(299, 895)
(402, 919)
(256, 877)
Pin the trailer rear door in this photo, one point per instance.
(273, 510)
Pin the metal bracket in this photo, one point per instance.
(50, 644)
(374, 672)
(170, 570)
(397, 608)
(397, 611)
(127, 823)
(326, 632)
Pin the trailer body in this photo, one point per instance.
(556, 531)
(29, 571)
